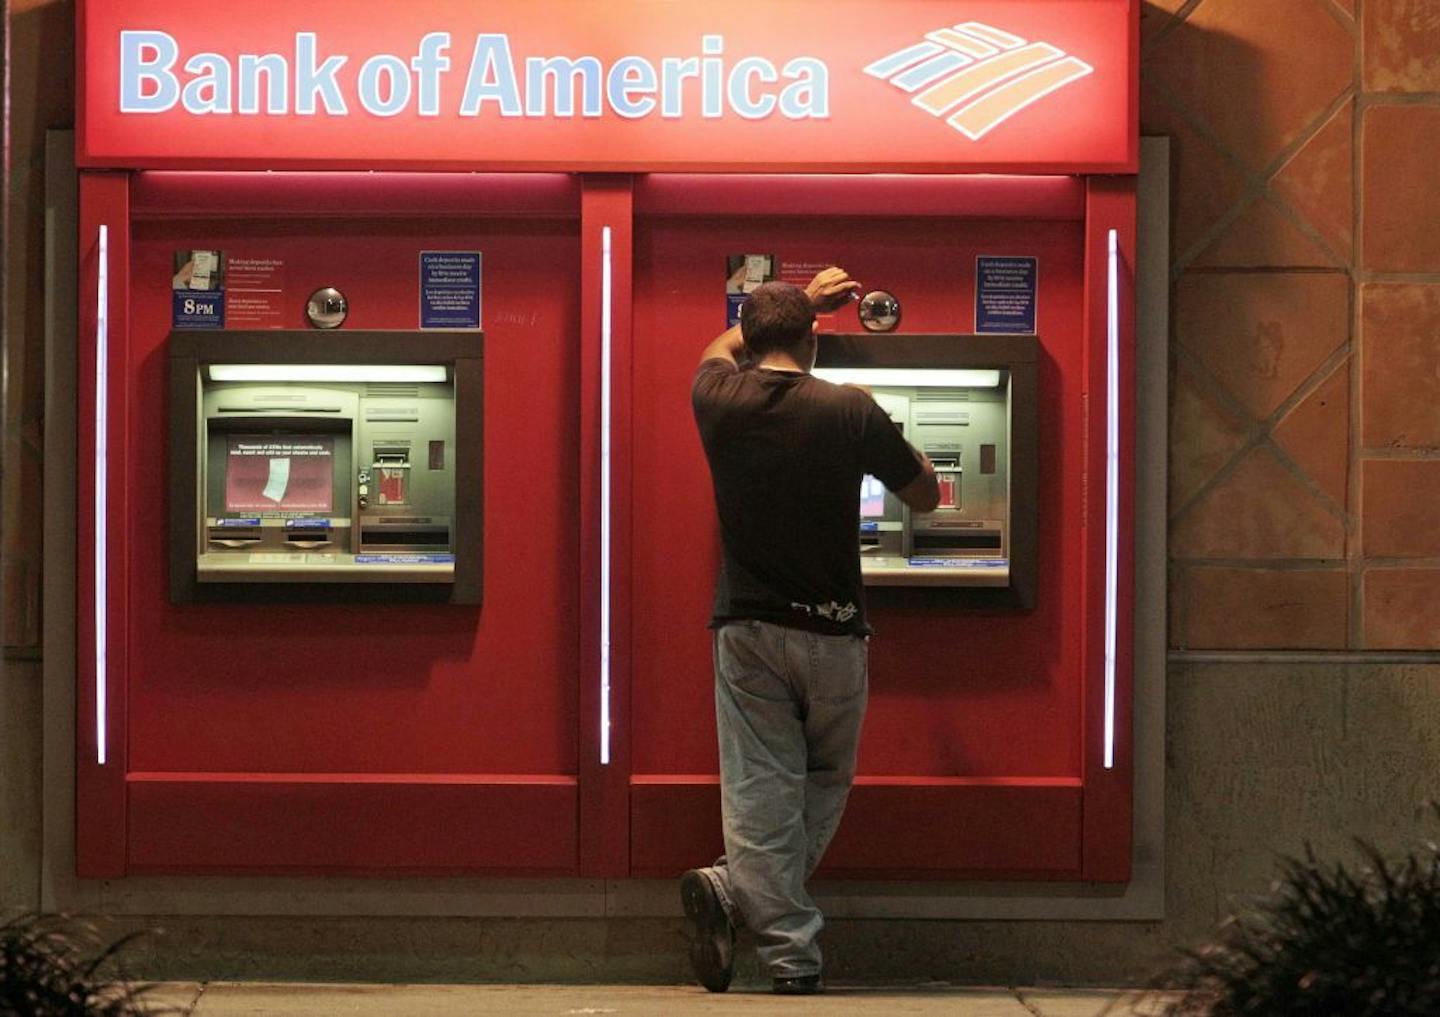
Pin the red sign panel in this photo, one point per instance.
(626, 86)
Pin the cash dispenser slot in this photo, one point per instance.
(959, 540)
(391, 534)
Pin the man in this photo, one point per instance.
(787, 454)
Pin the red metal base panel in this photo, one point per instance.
(196, 823)
(891, 830)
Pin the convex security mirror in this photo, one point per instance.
(879, 311)
(327, 308)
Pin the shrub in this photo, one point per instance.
(1328, 940)
(52, 966)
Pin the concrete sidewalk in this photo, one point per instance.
(258, 999)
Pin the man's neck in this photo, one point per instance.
(781, 362)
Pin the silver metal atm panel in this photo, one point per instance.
(970, 403)
(964, 431)
(363, 527)
(309, 466)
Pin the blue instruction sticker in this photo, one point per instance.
(197, 310)
(744, 273)
(404, 559)
(449, 289)
(197, 289)
(733, 303)
(959, 563)
(1005, 294)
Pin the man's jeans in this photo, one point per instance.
(788, 706)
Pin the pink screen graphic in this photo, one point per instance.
(872, 498)
(279, 473)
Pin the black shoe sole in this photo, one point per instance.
(712, 939)
(804, 985)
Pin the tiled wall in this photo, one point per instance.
(1305, 389)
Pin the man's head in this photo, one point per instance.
(778, 318)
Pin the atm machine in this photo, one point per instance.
(306, 465)
(968, 403)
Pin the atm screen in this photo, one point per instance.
(280, 473)
(872, 498)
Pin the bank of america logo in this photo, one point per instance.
(977, 77)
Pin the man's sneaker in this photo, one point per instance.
(797, 985)
(712, 937)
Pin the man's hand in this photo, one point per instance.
(923, 493)
(830, 288)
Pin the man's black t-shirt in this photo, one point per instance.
(787, 453)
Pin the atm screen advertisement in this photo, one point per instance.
(872, 498)
(280, 473)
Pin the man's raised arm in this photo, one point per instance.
(828, 291)
(726, 346)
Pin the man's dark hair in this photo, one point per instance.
(777, 316)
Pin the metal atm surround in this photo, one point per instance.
(461, 352)
(1014, 354)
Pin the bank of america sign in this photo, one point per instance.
(973, 75)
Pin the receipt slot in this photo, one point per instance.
(968, 402)
(340, 467)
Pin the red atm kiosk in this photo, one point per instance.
(396, 538)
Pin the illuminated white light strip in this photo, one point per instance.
(328, 372)
(916, 378)
(102, 429)
(1112, 488)
(605, 286)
